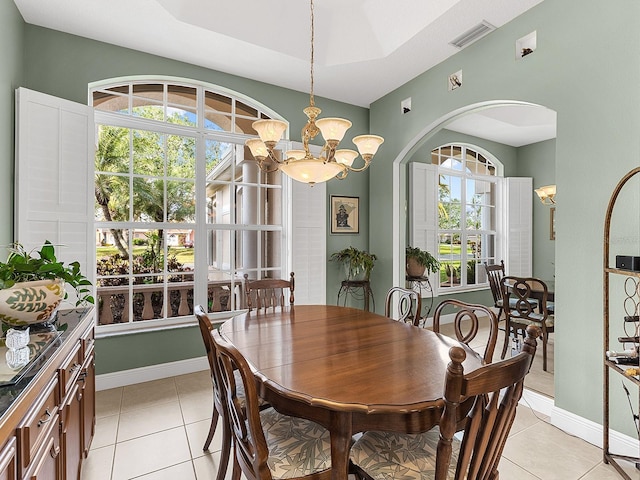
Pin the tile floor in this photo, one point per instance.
(155, 431)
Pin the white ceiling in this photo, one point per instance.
(364, 49)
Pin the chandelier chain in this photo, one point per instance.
(311, 100)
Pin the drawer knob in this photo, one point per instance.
(46, 418)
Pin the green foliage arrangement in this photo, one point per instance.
(424, 258)
(25, 266)
(356, 261)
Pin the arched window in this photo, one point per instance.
(182, 211)
(467, 199)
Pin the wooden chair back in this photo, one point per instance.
(408, 308)
(467, 323)
(525, 303)
(266, 293)
(250, 443)
(206, 329)
(496, 389)
(494, 275)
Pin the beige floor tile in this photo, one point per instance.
(196, 406)
(149, 394)
(511, 471)
(607, 472)
(108, 402)
(198, 382)
(150, 453)
(140, 422)
(525, 418)
(182, 471)
(197, 433)
(207, 467)
(97, 466)
(565, 457)
(106, 431)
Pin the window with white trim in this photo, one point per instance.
(467, 218)
(182, 211)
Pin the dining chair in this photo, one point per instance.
(267, 444)
(268, 292)
(408, 308)
(494, 389)
(206, 329)
(526, 304)
(467, 323)
(494, 275)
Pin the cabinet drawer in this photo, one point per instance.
(38, 423)
(88, 340)
(69, 370)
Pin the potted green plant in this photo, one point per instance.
(357, 263)
(420, 262)
(32, 285)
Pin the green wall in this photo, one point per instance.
(63, 65)
(580, 48)
(11, 77)
(539, 162)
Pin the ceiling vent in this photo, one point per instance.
(473, 34)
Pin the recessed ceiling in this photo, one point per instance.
(364, 49)
(516, 125)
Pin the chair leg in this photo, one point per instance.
(544, 352)
(226, 450)
(507, 336)
(235, 475)
(212, 428)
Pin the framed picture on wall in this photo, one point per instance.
(345, 214)
(552, 223)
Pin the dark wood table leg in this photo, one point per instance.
(340, 429)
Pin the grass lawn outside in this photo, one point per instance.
(183, 255)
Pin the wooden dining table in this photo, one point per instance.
(346, 369)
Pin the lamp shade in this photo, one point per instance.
(345, 156)
(333, 128)
(257, 147)
(547, 194)
(368, 144)
(311, 171)
(269, 130)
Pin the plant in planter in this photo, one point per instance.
(357, 263)
(420, 262)
(32, 285)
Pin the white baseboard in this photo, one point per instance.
(568, 422)
(592, 432)
(123, 378)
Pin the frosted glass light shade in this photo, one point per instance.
(368, 144)
(269, 130)
(345, 156)
(333, 128)
(257, 147)
(295, 154)
(311, 171)
(547, 194)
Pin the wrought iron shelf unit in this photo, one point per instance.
(631, 302)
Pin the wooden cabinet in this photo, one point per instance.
(47, 420)
(8, 469)
(621, 291)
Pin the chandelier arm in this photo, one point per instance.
(359, 169)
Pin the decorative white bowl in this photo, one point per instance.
(27, 303)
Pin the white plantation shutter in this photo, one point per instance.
(423, 192)
(54, 166)
(308, 241)
(518, 215)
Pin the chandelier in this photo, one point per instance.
(301, 165)
(547, 194)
